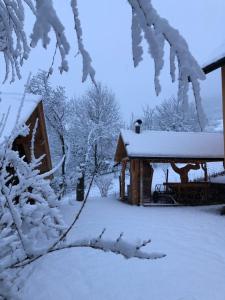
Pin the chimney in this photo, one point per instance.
(137, 126)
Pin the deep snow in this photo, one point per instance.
(192, 238)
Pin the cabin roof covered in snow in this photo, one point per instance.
(11, 102)
(217, 60)
(167, 144)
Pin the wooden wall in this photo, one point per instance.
(140, 182)
(22, 144)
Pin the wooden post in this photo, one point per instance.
(223, 103)
(167, 179)
(122, 181)
(141, 182)
(135, 181)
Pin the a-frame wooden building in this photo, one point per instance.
(31, 110)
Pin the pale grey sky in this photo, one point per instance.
(106, 28)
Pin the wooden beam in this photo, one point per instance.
(191, 160)
(223, 101)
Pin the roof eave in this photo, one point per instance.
(177, 159)
(214, 65)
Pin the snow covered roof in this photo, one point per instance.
(217, 60)
(13, 101)
(167, 144)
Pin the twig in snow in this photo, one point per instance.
(145, 243)
(100, 236)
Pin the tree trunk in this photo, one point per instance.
(63, 184)
(80, 189)
(183, 172)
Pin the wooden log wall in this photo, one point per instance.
(23, 144)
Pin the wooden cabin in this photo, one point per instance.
(137, 151)
(32, 110)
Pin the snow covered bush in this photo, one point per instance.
(29, 218)
(104, 184)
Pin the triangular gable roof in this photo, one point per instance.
(168, 144)
(13, 101)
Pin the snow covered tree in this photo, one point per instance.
(146, 24)
(148, 118)
(93, 127)
(169, 116)
(54, 101)
(96, 118)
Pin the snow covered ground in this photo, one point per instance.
(192, 238)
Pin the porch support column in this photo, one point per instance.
(135, 182)
(122, 181)
(223, 102)
(141, 182)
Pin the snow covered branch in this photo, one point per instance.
(47, 19)
(12, 17)
(118, 246)
(12, 24)
(156, 32)
(121, 247)
(146, 23)
(87, 66)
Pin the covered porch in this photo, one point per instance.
(139, 152)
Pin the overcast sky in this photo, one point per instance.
(106, 27)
